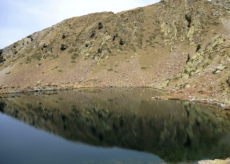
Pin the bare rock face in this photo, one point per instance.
(224, 3)
(200, 60)
(178, 19)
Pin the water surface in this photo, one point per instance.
(100, 126)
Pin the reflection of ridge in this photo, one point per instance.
(188, 142)
(2, 105)
(158, 127)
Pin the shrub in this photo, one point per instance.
(188, 18)
(63, 47)
(28, 60)
(74, 56)
(209, 56)
(121, 42)
(186, 71)
(215, 23)
(143, 67)
(198, 48)
(100, 26)
(99, 50)
(110, 69)
(188, 59)
(44, 46)
(30, 38)
(93, 34)
(63, 36)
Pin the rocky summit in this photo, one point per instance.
(182, 46)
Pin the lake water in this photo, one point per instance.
(109, 126)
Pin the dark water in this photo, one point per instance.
(117, 126)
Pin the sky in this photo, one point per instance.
(20, 18)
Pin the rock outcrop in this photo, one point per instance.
(223, 3)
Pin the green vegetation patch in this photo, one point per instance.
(37, 56)
(71, 51)
(74, 56)
(215, 23)
(28, 60)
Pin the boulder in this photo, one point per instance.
(221, 67)
(227, 108)
(1, 51)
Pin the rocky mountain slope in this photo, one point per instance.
(179, 45)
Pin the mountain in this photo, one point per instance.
(178, 45)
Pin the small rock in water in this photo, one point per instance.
(223, 105)
(192, 100)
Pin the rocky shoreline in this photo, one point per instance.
(168, 95)
(216, 103)
(216, 161)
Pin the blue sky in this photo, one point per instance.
(20, 18)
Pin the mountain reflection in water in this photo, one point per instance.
(127, 118)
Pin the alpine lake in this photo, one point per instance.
(109, 126)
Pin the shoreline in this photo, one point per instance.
(167, 97)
